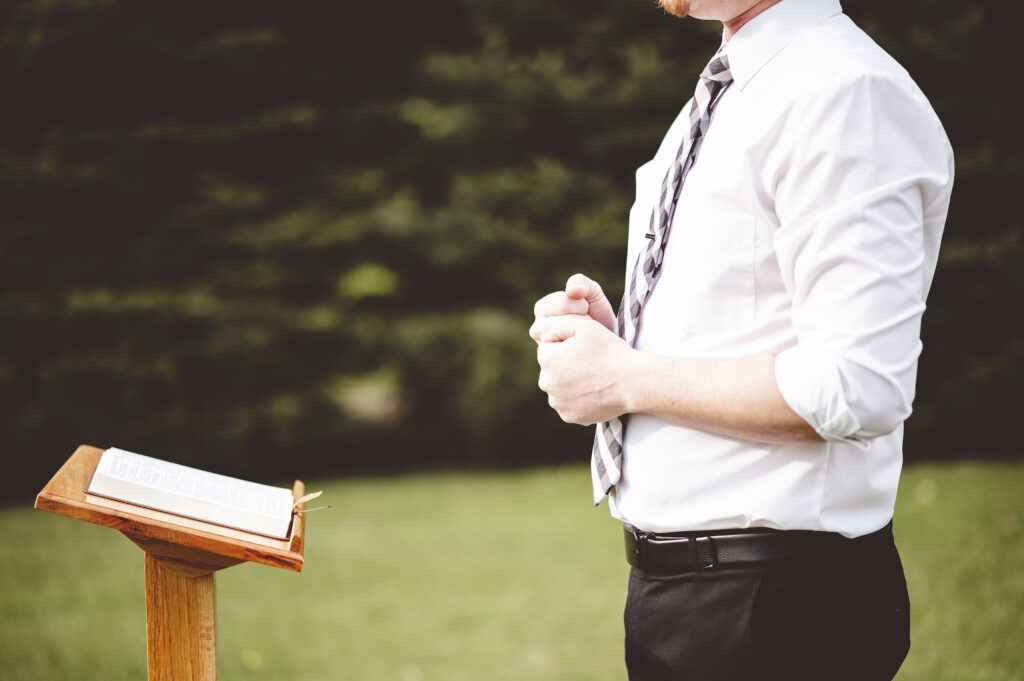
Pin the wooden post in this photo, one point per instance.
(181, 628)
(181, 639)
(181, 558)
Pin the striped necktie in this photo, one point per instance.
(606, 460)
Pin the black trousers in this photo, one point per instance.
(821, 618)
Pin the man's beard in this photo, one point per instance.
(679, 8)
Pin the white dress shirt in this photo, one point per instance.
(810, 225)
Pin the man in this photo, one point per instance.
(750, 397)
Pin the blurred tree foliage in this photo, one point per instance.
(278, 237)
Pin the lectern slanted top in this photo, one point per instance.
(65, 495)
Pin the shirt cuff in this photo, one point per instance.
(813, 387)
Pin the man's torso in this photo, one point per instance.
(725, 290)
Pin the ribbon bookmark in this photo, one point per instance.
(303, 499)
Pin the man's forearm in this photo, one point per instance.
(737, 396)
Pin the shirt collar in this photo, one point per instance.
(769, 32)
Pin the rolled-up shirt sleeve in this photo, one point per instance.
(860, 198)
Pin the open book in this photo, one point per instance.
(192, 493)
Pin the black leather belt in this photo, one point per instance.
(679, 552)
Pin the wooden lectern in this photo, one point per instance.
(181, 557)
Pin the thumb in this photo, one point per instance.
(598, 307)
(583, 287)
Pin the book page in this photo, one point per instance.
(204, 486)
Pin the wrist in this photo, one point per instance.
(635, 382)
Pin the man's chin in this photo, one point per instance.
(679, 8)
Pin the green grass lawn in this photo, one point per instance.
(468, 577)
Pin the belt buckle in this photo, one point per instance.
(712, 551)
(639, 546)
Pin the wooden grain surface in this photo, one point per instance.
(181, 639)
(184, 559)
(65, 495)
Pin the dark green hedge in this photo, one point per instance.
(276, 238)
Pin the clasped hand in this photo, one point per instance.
(583, 363)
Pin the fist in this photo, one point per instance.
(586, 372)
